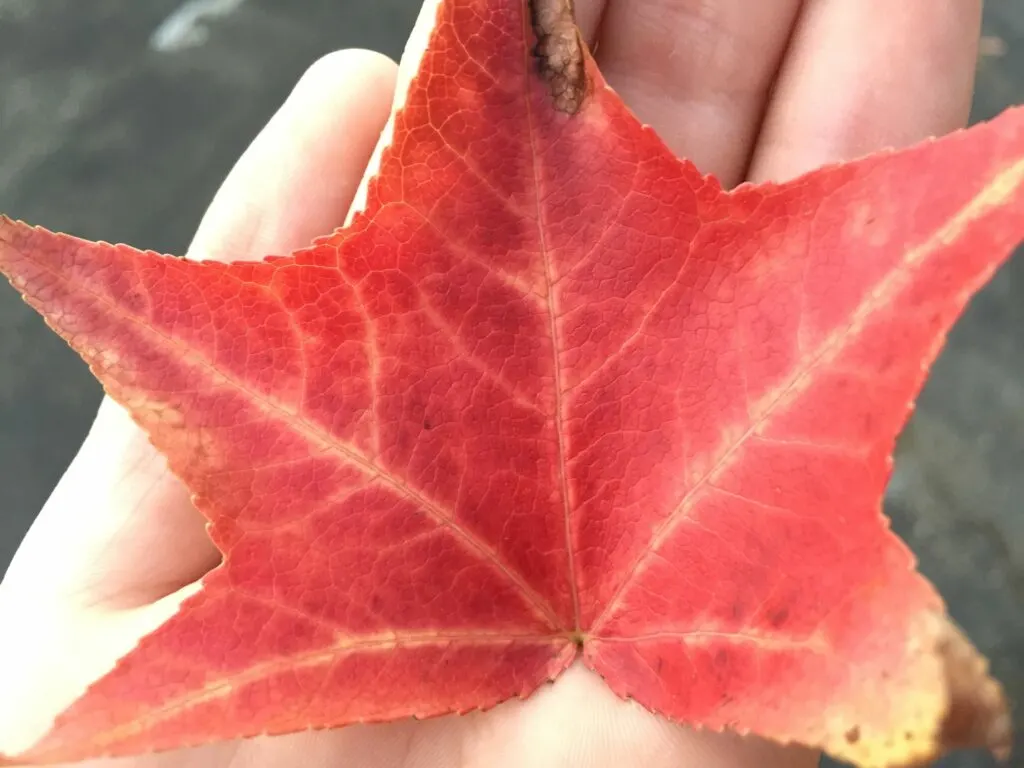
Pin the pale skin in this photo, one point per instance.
(748, 90)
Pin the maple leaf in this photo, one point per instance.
(552, 395)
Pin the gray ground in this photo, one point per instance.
(106, 138)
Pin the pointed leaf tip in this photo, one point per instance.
(965, 708)
(979, 713)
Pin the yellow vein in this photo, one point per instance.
(317, 436)
(992, 195)
(555, 347)
(223, 687)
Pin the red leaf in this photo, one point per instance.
(552, 394)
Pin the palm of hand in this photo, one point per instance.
(748, 91)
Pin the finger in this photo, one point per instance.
(298, 178)
(120, 530)
(698, 72)
(866, 74)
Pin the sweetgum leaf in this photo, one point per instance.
(553, 394)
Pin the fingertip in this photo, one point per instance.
(329, 82)
(297, 179)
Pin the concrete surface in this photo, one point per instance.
(105, 137)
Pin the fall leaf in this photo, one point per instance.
(553, 395)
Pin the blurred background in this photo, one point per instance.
(119, 119)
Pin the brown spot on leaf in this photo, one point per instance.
(778, 617)
(853, 735)
(559, 53)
